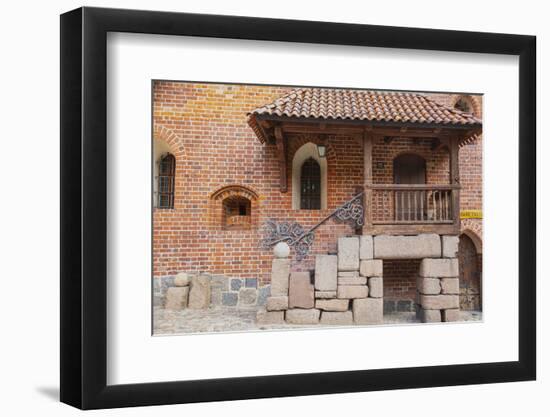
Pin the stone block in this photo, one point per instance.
(270, 317)
(376, 287)
(277, 303)
(325, 294)
(300, 291)
(439, 268)
(215, 296)
(439, 302)
(230, 298)
(348, 253)
(280, 271)
(352, 291)
(236, 284)
(407, 247)
(352, 280)
(251, 282)
(348, 274)
(449, 246)
(366, 247)
(326, 272)
(337, 318)
(247, 296)
(368, 311)
(176, 298)
(450, 286)
(429, 286)
(452, 314)
(335, 304)
(372, 268)
(199, 293)
(263, 293)
(183, 279)
(302, 316)
(430, 316)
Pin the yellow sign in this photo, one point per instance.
(471, 214)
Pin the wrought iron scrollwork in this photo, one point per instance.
(300, 239)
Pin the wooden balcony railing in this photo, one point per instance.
(413, 204)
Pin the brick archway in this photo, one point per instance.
(235, 193)
(168, 136)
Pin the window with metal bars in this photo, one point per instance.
(310, 185)
(166, 178)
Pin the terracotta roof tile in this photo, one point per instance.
(362, 105)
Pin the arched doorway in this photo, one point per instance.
(470, 274)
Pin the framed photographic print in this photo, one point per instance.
(257, 208)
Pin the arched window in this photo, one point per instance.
(310, 185)
(166, 177)
(464, 105)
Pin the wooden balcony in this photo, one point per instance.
(412, 208)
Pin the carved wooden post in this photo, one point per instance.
(454, 179)
(367, 179)
(281, 153)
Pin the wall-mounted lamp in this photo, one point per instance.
(322, 149)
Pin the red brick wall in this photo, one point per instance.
(205, 126)
(400, 279)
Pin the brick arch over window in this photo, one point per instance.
(168, 136)
(472, 101)
(234, 208)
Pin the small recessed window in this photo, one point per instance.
(236, 213)
(166, 180)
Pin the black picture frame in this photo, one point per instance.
(84, 207)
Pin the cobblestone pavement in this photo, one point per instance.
(231, 319)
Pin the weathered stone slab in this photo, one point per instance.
(429, 286)
(439, 302)
(449, 245)
(277, 303)
(332, 305)
(230, 298)
(325, 294)
(280, 271)
(366, 247)
(236, 284)
(251, 282)
(439, 268)
(302, 316)
(450, 286)
(247, 296)
(215, 296)
(376, 287)
(353, 291)
(430, 316)
(348, 274)
(407, 247)
(337, 318)
(368, 311)
(176, 298)
(372, 268)
(326, 272)
(183, 279)
(270, 317)
(219, 281)
(352, 280)
(450, 315)
(300, 291)
(348, 253)
(199, 293)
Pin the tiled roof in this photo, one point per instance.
(363, 105)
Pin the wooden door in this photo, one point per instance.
(409, 205)
(470, 275)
